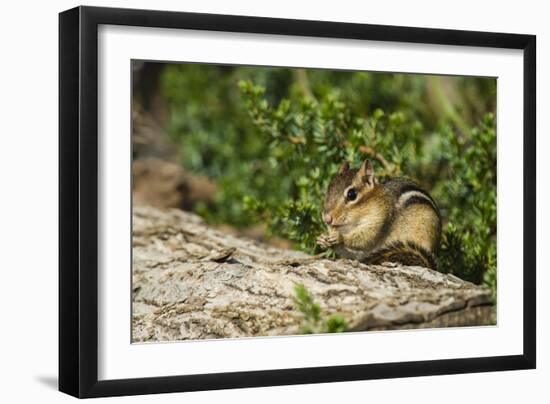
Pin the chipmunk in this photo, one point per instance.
(393, 221)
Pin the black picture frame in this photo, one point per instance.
(78, 201)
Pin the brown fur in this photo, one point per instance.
(395, 220)
(406, 253)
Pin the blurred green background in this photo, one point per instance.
(271, 139)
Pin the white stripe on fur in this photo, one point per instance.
(409, 194)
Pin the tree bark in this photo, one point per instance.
(192, 281)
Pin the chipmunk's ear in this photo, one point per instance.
(343, 168)
(366, 173)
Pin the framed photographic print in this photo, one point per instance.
(251, 201)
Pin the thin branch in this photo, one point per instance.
(391, 168)
(303, 82)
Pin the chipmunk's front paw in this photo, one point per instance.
(328, 240)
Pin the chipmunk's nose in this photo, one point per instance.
(327, 218)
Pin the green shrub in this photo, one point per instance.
(272, 138)
(313, 323)
(469, 192)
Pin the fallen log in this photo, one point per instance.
(192, 281)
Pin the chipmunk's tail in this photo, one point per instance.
(406, 253)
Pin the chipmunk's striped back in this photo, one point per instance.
(414, 235)
(407, 193)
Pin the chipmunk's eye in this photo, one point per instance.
(351, 195)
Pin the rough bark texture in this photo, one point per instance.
(191, 281)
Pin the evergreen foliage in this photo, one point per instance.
(313, 322)
(272, 138)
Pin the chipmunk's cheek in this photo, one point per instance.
(344, 229)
